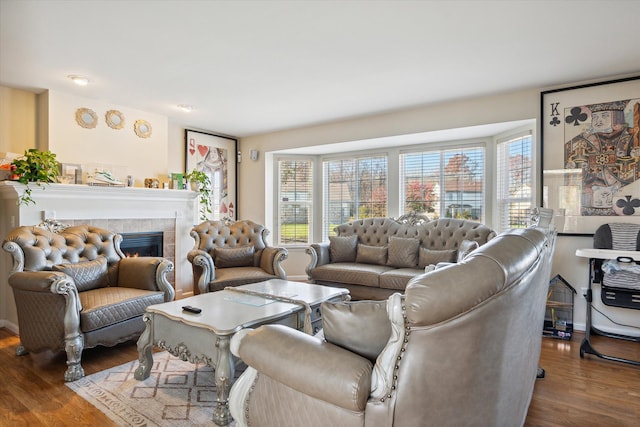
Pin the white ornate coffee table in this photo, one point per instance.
(205, 337)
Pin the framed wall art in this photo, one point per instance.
(216, 156)
(591, 154)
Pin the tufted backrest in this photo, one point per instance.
(439, 234)
(210, 235)
(36, 249)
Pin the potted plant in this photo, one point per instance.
(34, 167)
(200, 182)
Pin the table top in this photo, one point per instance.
(227, 311)
(607, 253)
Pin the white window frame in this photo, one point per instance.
(504, 199)
(441, 149)
(279, 202)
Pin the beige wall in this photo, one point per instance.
(479, 111)
(497, 108)
(17, 120)
(47, 121)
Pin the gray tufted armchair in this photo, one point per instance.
(228, 253)
(75, 289)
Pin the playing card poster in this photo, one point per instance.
(216, 156)
(591, 154)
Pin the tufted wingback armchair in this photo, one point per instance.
(75, 289)
(228, 253)
(459, 348)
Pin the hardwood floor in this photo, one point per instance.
(575, 392)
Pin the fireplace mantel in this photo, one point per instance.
(120, 209)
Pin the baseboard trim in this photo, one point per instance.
(10, 326)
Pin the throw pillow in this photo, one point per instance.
(371, 254)
(361, 327)
(403, 252)
(343, 248)
(240, 256)
(87, 275)
(465, 248)
(430, 256)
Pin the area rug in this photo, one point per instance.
(176, 394)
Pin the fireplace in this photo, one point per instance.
(149, 243)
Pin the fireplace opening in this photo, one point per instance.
(142, 244)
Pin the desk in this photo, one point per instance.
(607, 254)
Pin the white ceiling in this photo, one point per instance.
(251, 67)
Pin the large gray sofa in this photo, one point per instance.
(459, 348)
(376, 257)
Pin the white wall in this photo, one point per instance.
(128, 153)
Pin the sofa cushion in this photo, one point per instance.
(465, 248)
(86, 275)
(343, 248)
(350, 273)
(403, 252)
(361, 327)
(431, 256)
(398, 278)
(240, 256)
(367, 254)
(107, 306)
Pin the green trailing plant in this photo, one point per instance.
(39, 167)
(200, 182)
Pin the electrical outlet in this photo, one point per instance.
(584, 291)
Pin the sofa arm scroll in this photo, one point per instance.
(319, 253)
(149, 273)
(204, 271)
(307, 364)
(271, 261)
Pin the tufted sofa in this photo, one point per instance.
(233, 253)
(459, 348)
(376, 257)
(75, 289)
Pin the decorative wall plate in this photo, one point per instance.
(86, 118)
(115, 119)
(142, 128)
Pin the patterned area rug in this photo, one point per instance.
(176, 393)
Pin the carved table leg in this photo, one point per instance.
(224, 374)
(145, 345)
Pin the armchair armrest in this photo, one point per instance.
(307, 364)
(57, 285)
(319, 253)
(149, 273)
(204, 270)
(36, 281)
(271, 261)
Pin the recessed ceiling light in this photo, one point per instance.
(186, 108)
(79, 80)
